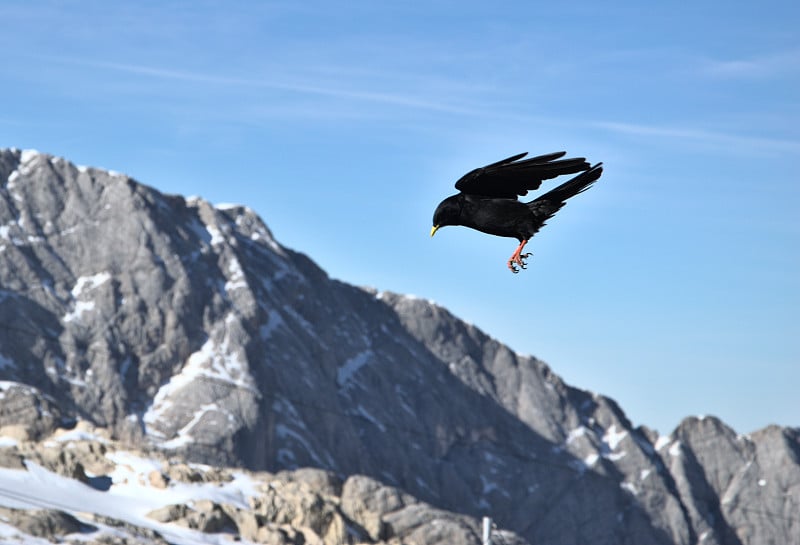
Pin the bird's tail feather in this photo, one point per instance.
(578, 184)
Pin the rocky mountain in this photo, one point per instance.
(188, 328)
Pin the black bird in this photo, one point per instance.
(488, 197)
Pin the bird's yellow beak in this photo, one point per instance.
(434, 229)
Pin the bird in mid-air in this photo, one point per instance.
(488, 197)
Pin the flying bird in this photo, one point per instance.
(487, 198)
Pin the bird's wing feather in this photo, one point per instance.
(513, 177)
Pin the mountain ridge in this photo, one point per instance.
(189, 327)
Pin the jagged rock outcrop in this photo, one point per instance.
(44, 523)
(189, 328)
(25, 412)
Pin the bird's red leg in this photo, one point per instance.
(517, 258)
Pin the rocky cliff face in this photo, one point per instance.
(189, 328)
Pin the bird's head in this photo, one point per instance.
(447, 213)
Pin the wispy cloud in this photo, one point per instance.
(737, 141)
(298, 85)
(362, 88)
(774, 64)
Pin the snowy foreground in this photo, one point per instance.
(78, 486)
(129, 499)
(38, 488)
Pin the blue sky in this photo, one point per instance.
(673, 285)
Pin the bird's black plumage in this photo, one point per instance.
(487, 198)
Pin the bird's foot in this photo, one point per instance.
(518, 259)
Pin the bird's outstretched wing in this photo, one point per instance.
(511, 177)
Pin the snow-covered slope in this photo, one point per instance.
(188, 327)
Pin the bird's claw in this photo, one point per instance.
(518, 260)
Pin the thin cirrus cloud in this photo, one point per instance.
(733, 141)
(476, 107)
(776, 64)
(401, 99)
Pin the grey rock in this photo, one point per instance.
(293, 501)
(418, 524)
(25, 406)
(739, 489)
(386, 513)
(62, 461)
(10, 458)
(125, 534)
(169, 513)
(47, 524)
(323, 482)
(366, 502)
(209, 517)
